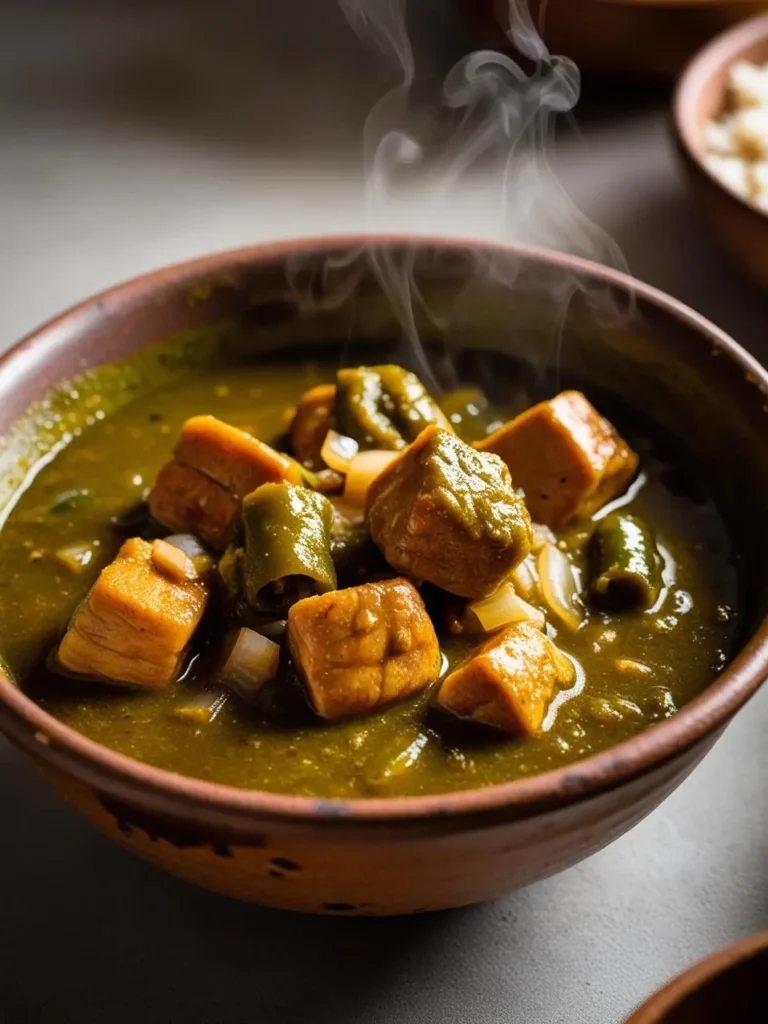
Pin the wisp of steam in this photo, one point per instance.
(503, 114)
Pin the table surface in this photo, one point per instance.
(137, 134)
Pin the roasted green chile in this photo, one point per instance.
(383, 406)
(286, 550)
(625, 566)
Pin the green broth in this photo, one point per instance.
(281, 747)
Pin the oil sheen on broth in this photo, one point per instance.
(634, 668)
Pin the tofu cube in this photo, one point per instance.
(136, 623)
(235, 460)
(509, 682)
(364, 647)
(187, 501)
(446, 513)
(311, 423)
(214, 466)
(568, 460)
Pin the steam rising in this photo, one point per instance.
(502, 114)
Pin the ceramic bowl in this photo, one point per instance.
(643, 39)
(535, 310)
(728, 986)
(700, 97)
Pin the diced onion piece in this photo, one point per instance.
(203, 708)
(194, 550)
(75, 557)
(524, 578)
(338, 451)
(251, 662)
(363, 470)
(542, 535)
(503, 608)
(631, 667)
(186, 542)
(172, 562)
(559, 587)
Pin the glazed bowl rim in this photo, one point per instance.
(723, 49)
(38, 732)
(670, 996)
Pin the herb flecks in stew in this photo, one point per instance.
(397, 596)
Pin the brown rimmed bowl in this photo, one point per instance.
(700, 96)
(727, 987)
(537, 309)
(639, 39)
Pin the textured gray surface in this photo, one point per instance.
(132, 135)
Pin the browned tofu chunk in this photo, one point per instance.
(234, 459)
(187, 501)
(361, 648)
(567, 458)
(135, 624)
(310, 424)
(509, 682)
(214, 466)
(446, 513)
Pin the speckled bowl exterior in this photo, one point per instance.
(410, 854)
(726, 988)
(700, 97)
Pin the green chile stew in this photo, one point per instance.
(628, 608)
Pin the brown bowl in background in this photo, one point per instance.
(646, 39)
(729, 987)
(409, 854)
(700, 97)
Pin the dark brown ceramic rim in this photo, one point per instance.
(45, 737)
(656, 1010)
(724, 49)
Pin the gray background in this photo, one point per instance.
(135, 134)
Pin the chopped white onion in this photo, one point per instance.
(559, 587)
(338, 451)
(186, 542)
(541, 535)
(524, 578)
(75, 557)
(363, 470)
(503, 608)
(203, 708)
(193, 549)
(172, 562)
(252, 660)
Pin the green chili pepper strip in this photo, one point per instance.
(359, 410)
(383, 406)
(625, 565)
(287, 552)
(414, 407)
